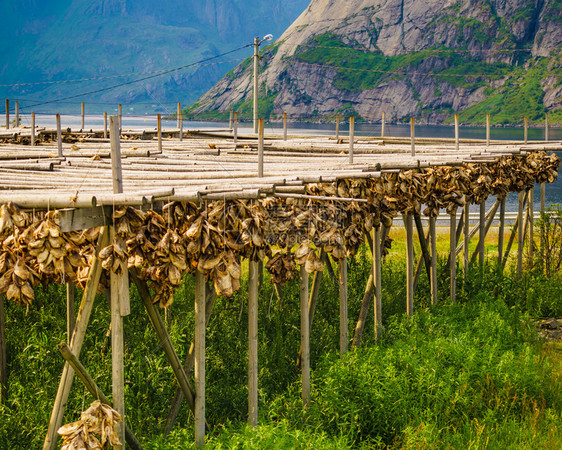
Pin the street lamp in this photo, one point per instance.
(257, 43)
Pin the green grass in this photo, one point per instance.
(451, 376)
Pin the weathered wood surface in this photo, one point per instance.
(197, 165)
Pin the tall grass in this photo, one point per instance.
(471, 373)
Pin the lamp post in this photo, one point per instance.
(257, 43)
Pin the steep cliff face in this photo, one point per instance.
(426, 58)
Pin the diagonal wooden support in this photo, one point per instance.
(164, 338)
(423, 244)
(489, 219)
(472, 233)
(512, 236)
(93, 389)
(3, 356)
(458, 233)
(211, 298)
(76, 343)
(370, 288)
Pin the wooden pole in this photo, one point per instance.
(337, 127)
(93, 388)
(256, 58)
(32, 143)
(525, 130)
(312, 301)
(211, 298)
(305, 337)
(520, 237)
(7, 114)
(542, 212)
(3, 355)
(17, 113)
(433, 278)
(70, 318)
(83, 113)
(260, 149)
(105, 125)
(466, 237)
(117, 348)
(426, 254)
(119, 283)
(235, 131)
(458, 232)
(487, 130)
(230, 120)
(501, 232)
(120, 113)
(383, 124)
(159, 131)
(253, 344)
(531, 213)
(546, 127)
(453, 250)
(178, 114)
(543, 198)
(59, 136)
(408, 223)
(456, 132)
(199, 359)
(343, 306)
(117, 175)
(377, 279)
(482, 233)
(76, 342)
(351, 138)
(284, 126)
(514, 231)
(413, 135)
(181, 125)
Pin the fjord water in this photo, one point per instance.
(553, 191)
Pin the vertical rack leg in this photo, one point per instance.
(3, 356)
(520, 233)
(453, 246)
(199, 364)
(343, 305)
(482, 234)
(305, 337)
(377, 260)
(433, 240)
(531, 209)
(466, 236)
(501, 233)
(117, 348)
(409, 224)
(70, 318)
(253, 344)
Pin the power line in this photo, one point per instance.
(79, 80)
(198, 63)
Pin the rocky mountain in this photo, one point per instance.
(423, 58)
(77, 39)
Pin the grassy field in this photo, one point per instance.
(470, 375)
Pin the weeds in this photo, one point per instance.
(470, 374)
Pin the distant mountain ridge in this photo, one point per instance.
(74, 39)
(427, 59)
